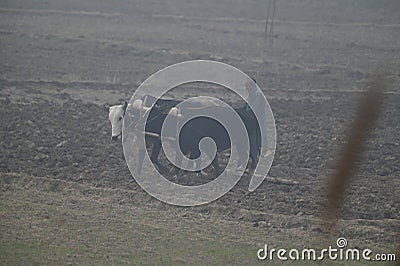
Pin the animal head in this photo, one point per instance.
(116, 115)
(117, 112)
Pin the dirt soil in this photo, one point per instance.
(61, 61)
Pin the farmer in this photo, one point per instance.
(257, 102)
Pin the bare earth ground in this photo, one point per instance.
(65, 190)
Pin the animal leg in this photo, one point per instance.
(215, 164)
(254, 149)
(140, 162)
(154, 156)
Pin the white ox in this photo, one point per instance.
(136, 110)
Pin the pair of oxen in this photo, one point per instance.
(191, 133)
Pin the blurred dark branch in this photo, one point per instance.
(367, 113)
